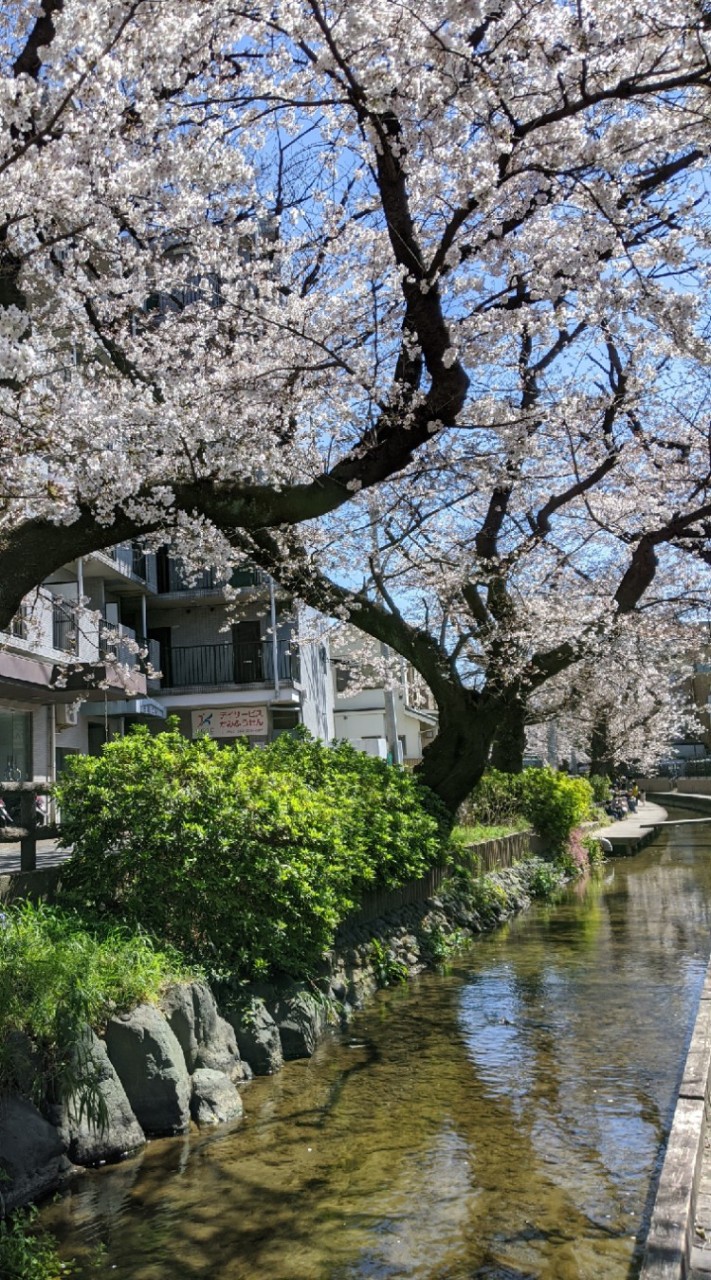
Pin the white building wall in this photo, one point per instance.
(315, 682)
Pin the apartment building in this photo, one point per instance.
(152, 641)
(393, 719)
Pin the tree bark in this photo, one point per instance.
(453, 764)
(601, 761)
(510, 738)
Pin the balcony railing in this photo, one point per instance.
(249, 662)
(120, 643)
(63, 627)
(177, 578)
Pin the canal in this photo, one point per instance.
(504, 1120)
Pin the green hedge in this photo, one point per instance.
(245, 859)
(554, 803)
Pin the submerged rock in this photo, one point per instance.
(214, 1099)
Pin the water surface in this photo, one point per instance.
(504, 1120)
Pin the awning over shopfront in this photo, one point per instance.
(134, 707)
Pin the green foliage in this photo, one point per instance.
(544, 879)
(495, 801)
(488, 897)
(601, 788)
(56, 976)
(596, 856)
(478, 833)
(28, 1254)
(555, 804)
(387, 968)
(244, 859)
(439, 943)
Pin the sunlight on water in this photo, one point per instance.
(504, 1120)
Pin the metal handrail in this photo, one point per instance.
(238, 663)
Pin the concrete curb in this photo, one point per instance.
(668, 1249)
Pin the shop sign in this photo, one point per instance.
(231, 722)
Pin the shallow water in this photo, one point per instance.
(504, 1120)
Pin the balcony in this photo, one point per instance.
(131, 562)
(213, 665)
(63, 627)
(119, 643)
(173, 577)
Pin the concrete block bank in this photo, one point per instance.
(672, 1248)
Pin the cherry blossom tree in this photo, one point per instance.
(628, 706)
(437, 269)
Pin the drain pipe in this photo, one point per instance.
(392, 736)
(80, 597)
(275, 641)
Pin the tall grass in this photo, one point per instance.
(58, 974)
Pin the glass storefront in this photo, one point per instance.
(15, 746)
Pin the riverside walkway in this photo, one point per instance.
(49, 854)
(630, 834)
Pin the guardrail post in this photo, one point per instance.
(28, 842)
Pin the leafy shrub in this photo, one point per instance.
(244, 859)
(495, 801)
(56, 975)
(387, 968)
(596, 856)
(544, 879)
(555, 804)
(601, 788)
(26, 1252)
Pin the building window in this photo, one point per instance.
(63, 626)
(15, 746)
(343, 679)
(284, 721)
(62, 754)
(18, 624)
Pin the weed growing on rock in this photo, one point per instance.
(387, 968)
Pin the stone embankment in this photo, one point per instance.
(151, 1072)
(155, 1069)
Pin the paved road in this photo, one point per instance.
(49, 854)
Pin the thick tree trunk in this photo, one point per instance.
(510, 739)
(453, 764)
(601, 761)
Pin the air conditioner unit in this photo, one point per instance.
(67, 714)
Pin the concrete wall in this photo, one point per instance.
(315, 679)
(690, 786)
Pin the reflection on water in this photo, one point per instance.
(504, 1120)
